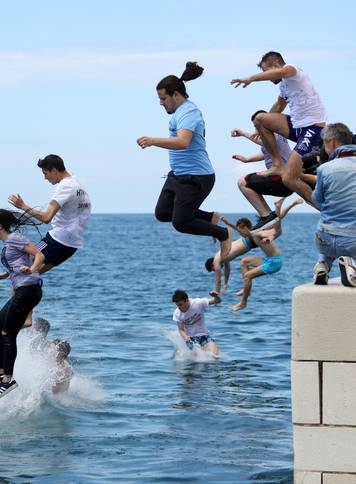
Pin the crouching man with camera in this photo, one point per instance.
(335, 197)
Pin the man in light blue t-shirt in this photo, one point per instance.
(192, 177)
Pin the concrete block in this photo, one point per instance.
(324, 323)
(307, 478)
(322, 448)
(305, 392)
(339, 393)
(339, 478)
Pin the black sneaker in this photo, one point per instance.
(7, 387)
(265, 222)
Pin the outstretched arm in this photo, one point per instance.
(249, 159)
(180, 142)
(44, 216)
(270, 75)
(235, 133)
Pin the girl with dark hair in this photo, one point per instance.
(192, 177)
(22, 260)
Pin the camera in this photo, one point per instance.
(316, 157)
(313, 159)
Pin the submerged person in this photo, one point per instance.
(22, 259)
(189, 316)
(68, 212)
(192, 177)
(40, 330)
(63, 371)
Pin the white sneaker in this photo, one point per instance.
(321, 274)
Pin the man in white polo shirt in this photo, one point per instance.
(68, 212)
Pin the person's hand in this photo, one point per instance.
(244, 81)
(214, 293)
(4, 275)
(25, 270)
(17, 201)
(240, 158)
(144, 142)
(236, 132)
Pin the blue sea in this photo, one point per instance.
(141, 408)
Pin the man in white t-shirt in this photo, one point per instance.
(306, 120)
(189, 316)
(68, 212)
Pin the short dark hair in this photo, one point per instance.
(257, 112)
(179, 295)
(51, 161)
(245, 222)
(273, 56)
(41, 325)
(338, 131)
(63, 347)
(209, 264)
(173, 83)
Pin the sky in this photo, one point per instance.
(78, 79)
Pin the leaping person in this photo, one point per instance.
(192, 177)
(306, 120)
(22, 260)
(68, 212)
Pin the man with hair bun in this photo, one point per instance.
(192, 177)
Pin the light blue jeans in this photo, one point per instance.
(331, 246)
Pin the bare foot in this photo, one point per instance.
(278, 204)
(239, 292)
(225, 245)
(237, 307)
(274, 170)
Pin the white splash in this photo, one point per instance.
(36, 372)
(183, 353)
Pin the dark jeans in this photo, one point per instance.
(179, 203)
(12, 318)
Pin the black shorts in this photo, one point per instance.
(267, 185)
(55, 253)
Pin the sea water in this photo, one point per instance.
(141, 407)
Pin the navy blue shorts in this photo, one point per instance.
(200, 340)
(305, 138)
(55, 253)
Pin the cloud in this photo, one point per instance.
(48, 66)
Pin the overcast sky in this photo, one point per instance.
(78, 79)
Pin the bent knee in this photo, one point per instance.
(241, 182)
(163, 216)
(260, 119)
(180, 225)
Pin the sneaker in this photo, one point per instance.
(347, 271)
(321, 274)
(265, 222)
(7, 387)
